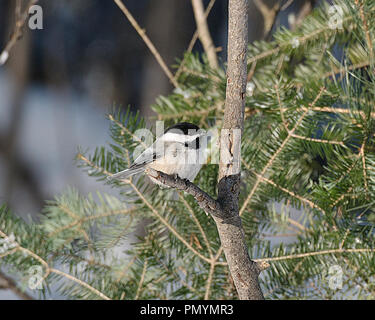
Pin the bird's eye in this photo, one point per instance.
(186, 145)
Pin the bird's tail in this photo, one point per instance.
(126, 173)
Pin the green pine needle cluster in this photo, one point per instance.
(308, 183)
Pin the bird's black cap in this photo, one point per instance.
(184, 127)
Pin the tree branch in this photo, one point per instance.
(269, 16)
(193, 40)
(205, 201)
(17, 34)
(204, 33)
(316, 253)
(49, 270)
(225, 210)
(6, 283)
(244, 271)
(147, 41)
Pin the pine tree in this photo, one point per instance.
(308, 146)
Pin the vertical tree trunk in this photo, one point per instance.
(244, 271)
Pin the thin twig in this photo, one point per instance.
(301, 40)
(209, 281)
(190, 209)
(204, 33)
(80, 282)
(8, 284)
(167, 224)
(20, 22)
(302, 199)
(335, 110)
(365, 27)
(340, 71)
(314, 253)
(49, 270)
(340, 143)
(80, 221)
(147, 41)
(302, 14)
(362, 154)
(269, 15)
(193, 41)
(285, 123)
(141, 280)
(286, 5)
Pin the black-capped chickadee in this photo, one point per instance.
(180, 150)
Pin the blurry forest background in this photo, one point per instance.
(60, 82)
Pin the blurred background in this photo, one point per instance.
(60, 82)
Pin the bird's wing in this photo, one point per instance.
(147, 156)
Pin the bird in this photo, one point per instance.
(179, 151)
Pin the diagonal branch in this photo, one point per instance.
(166, 223)
(269, 15)
(205, 201)
(147, 41)
(316, 253)
(204, 33)
(194, 217)
(49, 270)
(6, 283)
(17, 34)
(193, 40)
(313, 35)
(141, 281)
(291, 193)
(365, 27)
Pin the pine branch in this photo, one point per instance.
(165, 222)
(205, 201)
(203, 233)
(49, 269)
(315, 253)
(279, 150)
(141, 281)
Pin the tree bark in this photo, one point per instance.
(225, 210)
(244, 271)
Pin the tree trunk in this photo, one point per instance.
(244, 271)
